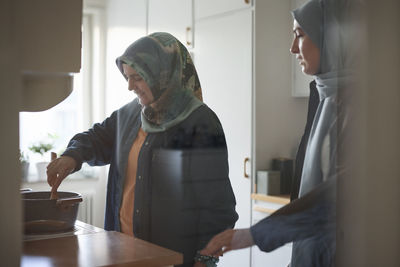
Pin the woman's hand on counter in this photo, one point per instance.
(58, 169)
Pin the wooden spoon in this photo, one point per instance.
(53, 194)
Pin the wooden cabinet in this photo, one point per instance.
(206, 8)
(173, 16)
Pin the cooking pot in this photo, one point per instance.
(45, 215)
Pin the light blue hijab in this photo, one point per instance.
(320, 22)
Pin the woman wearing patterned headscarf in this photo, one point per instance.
(168, 116)
(323, 32)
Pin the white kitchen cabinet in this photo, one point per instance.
(223, 58)
(280, 257)
(173, 16)
(263, 206)
(206, 8)
(244, 64)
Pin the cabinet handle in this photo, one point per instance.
(188, 29)
(245, 171)
(247, 1)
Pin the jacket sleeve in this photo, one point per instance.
(214, 196)
(95, 145)
(312, 215)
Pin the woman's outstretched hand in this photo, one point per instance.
(230, 239)
(58, 169)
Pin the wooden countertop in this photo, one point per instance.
(281, 199)
(106, 248)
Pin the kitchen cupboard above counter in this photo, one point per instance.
(207, 8)
(179, 17)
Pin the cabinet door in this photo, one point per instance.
(173, 16)
(205, 8)
(223, 58)
(279, 257)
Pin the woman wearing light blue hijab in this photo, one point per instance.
(322, 46)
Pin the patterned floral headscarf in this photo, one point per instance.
(166, 66)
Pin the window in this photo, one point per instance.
(75, 114)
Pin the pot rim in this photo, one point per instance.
(27, 193)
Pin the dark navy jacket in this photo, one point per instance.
(207, 200)
(310, 221)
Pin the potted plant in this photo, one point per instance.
(41, 148)
(24, 159)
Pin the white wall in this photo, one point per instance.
(126, 22)
(279, 117)
(117, 24)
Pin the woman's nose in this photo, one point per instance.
(130, 85)
(294, 49)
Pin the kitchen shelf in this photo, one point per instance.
(272, 203)
(280, 199)
(264, 210)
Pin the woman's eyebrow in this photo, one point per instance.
(132, 75)
(298, 30)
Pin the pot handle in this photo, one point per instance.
(22, 190)
(69, 201)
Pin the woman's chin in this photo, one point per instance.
(306, 71)
(143, 102)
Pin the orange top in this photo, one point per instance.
(128, 195)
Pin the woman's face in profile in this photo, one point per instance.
(305, 50)
(138, 86)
